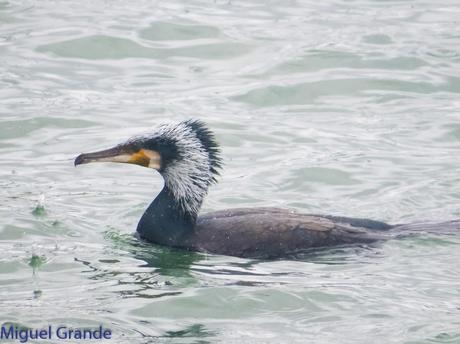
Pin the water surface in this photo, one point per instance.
(337, 107)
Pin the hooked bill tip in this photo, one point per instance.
(79, 160)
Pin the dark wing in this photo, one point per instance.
(272, 232)
(359, 222)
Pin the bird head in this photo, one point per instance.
(186, 154)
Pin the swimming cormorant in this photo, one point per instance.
(187, 156)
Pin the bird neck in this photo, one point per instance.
(165, 221)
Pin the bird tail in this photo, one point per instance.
(448, 227)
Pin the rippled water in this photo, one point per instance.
(337, 107)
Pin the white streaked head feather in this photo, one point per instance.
(189, 176)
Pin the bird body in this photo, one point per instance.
(273, 232)
(187, 156)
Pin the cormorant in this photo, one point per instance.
(187, 156)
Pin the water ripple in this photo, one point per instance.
(346, 108)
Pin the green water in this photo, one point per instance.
(338, 107)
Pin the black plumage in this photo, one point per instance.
(188, 157)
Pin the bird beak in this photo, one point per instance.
(122, 153)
